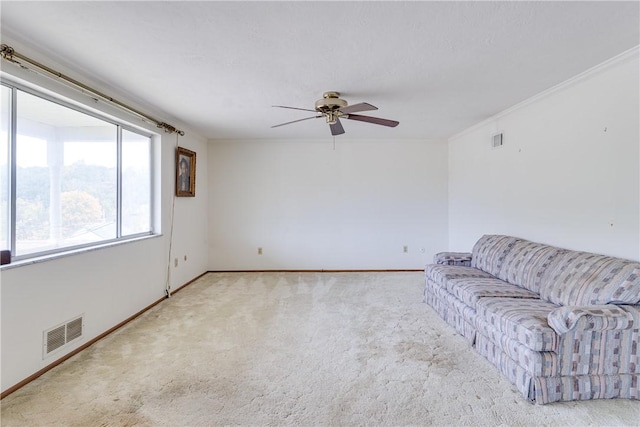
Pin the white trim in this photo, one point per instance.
(75, 251)
(623, 57)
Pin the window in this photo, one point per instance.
(70, 178)
(5, 170)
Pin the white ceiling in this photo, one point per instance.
(218, 67)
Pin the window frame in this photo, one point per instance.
(121, 125)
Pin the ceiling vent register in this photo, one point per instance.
(496, 142)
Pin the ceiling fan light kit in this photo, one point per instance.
(333, 108)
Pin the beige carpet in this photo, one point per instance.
(290, 349)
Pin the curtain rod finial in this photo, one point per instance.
(170, 129)
(7, 52)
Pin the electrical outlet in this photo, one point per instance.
(175, 262)
(185, 257)
(259, 251)
(405, 249)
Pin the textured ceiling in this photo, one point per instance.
(218, 67)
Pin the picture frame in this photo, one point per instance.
(185, 173)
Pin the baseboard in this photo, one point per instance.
(89, 343)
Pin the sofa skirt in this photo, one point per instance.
(547, 389)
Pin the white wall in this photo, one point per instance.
(312, 207)
(106, 285)
(568, 173)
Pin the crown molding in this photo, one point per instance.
(625, 56)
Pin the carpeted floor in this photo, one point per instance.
(322, 349)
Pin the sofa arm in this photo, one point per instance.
(453, 258)
(605, 317)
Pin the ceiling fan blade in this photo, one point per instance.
(295, 121)
(375, 120)
(293, 108)
(336, 128)
(363, 106)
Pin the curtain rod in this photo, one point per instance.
(14, 57)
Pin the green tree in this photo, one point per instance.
(88, 197)
(32, 220)
(33, 184)
(98, 181)
(79, 210)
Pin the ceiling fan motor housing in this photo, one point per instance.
(330, 105)
(330, 102)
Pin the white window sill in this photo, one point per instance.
(72, 252)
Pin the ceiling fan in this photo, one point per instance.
(333, 108)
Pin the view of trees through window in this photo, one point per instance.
(79, 179)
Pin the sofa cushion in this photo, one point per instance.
(581, 278)
(525, 264)
(521, 319)
(490, 251)
(461, 317)
(538, 363)
(470, 290)
(440, 274)
(433, 298)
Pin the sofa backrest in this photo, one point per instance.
(582, 278)
(560, 276)
(489, 252)
(526, 263)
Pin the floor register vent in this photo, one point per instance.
(61, 335)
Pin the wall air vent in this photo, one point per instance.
(59, 336)
(496, 141)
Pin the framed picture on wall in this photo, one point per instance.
(185, 173)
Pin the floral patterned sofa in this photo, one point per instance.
(559, 324)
